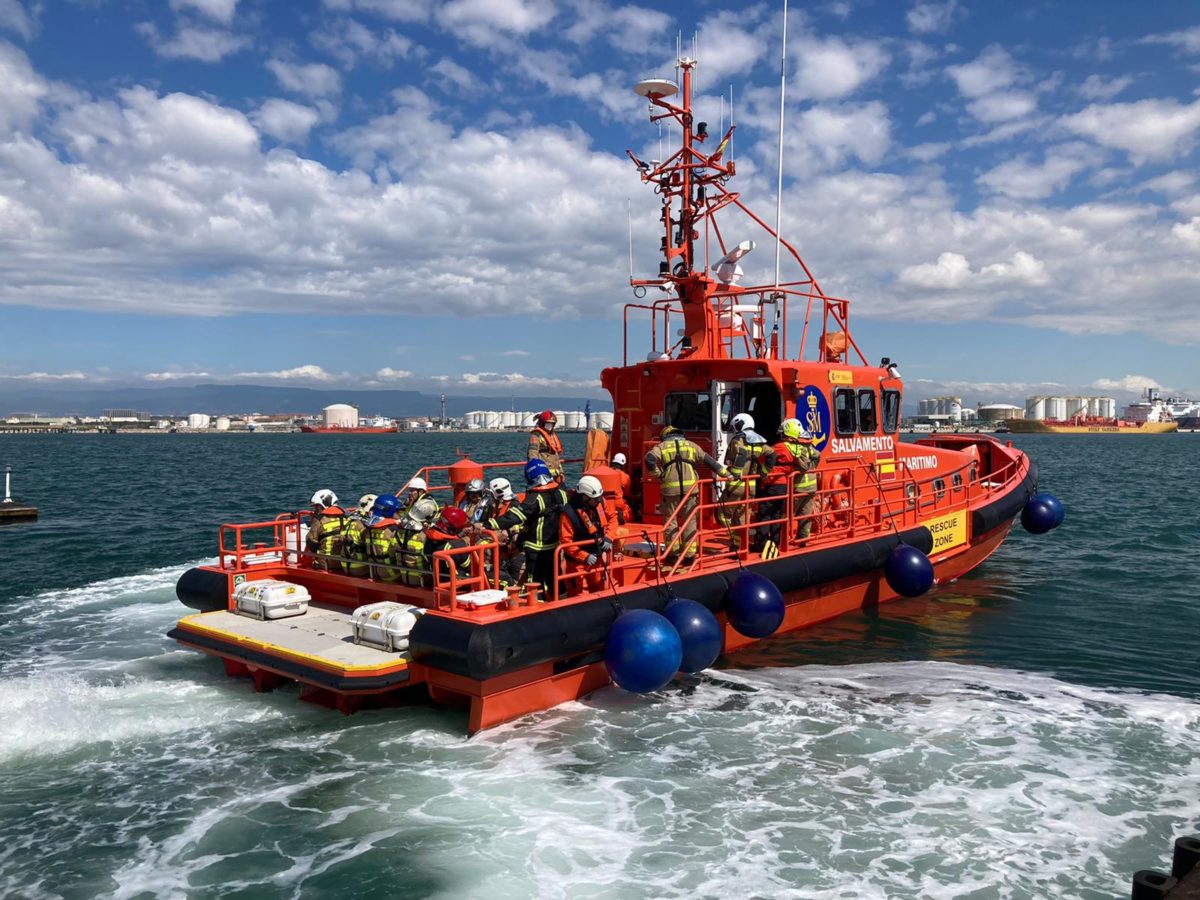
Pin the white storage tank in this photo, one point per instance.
(198, 420)
(955, 409)
(1035, 408)
(340, 415)
(561, 415)
(508, 419)
(602, 421)
(998, 412)
(526, 420)
(491, 420)
(1056, 408)
(222, 423)
(1108, 407)
(1094, 407)
(1077, 407)
(576, 421)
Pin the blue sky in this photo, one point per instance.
(432, 193)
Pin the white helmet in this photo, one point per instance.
(590, 487)
(415, 484)
(423, 511)
(501, 488)
(619, 459)
(365, 502)
(323, 498)
(475, 486)
(741, 422)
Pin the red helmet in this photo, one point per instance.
(547, 417)
(452, 520)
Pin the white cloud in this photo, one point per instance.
(485, 22)
(1023, 268)
(991, 71)
(1187, 40)
(349, 41)
(21, 89)
(951, 271)
(300, 373)
(399, 10)
(288, 121)
(14, 17)
(1023, 180)
(1188, 232)
(631, 29)
(1134, 384)
(730, 45)
(829, 69)
(515, 353)
(1001, 106)
(928, 17)
(194, 42)
(452, 72)
(389, 374)
(825, 137)
(1097, 87)
(518, 380)
(312, 80)
(218, 10)
(175, 376)
(1148, 130)
(50, 376)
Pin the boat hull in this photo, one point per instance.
(1033, 426)
(366, 429)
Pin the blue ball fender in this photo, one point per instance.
(1038, 516)
(908, 571)
(754, 605)
(699, 631)
(1055, 504)
(642, 651)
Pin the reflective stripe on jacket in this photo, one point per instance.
(537, 515)
(748, 455)
(580, 523)
(674, 462)
(354, 546)
(411, 550)
(381, 543)
(794, 458)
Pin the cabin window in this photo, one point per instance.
(866, 412)
(891, 411)
(729, 408)
(939, 489)
(844, 418)
(689, 411)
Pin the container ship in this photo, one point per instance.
(681, 577)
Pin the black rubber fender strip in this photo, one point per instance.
(1006, 508)
(481, 651)
(341, 684)
(203, 590)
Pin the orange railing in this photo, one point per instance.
(253, 543)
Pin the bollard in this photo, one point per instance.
(8, 484)
(1149, 884)
(1186, 856)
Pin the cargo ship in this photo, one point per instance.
(885, 518)
(1149, 415)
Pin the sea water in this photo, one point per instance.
(1029, 731)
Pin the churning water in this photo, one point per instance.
(1027, 732)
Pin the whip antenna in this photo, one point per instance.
(779, 183)
(629, 217)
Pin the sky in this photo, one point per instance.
(433, 194)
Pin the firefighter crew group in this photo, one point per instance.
(392, 538)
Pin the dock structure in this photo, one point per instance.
(10, 510)
(1183, 883)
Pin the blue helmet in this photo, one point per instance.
(537, 472)
(385, 506)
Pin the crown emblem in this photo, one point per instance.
(812, 401)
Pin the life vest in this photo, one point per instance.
(325, 534)
(381, 541)
(438, 540)
(537, 515)
(354, 546)
(585, 525)
(676, 457)
(547, 446)
(749, 457)
(792, 457)
(410, 547)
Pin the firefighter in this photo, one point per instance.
(545, 444)
(673, 463)
(795, 457)
(443, 534)
(623, 507)
(537, 515)
(476, 502)
(416, 489)
(512, 559)
(324, 538)
(410, 549)
(382, 540)
(354, 549)
(582, 519)
(748, 458)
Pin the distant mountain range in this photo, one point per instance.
(253, 398)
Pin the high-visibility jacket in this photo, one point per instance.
(748, 456)
(354, 546)
(381, 543)
(537, 515)
(674, 462)
(410, 550)
(578, 521)
(547, 446)
(794, 458)
(325, 533)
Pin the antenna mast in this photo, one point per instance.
(779, 182)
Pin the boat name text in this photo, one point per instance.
(862, 444)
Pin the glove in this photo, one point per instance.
(605, 545)
(591, 560)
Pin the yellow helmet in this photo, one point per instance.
(669, 431)
(791, 429)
